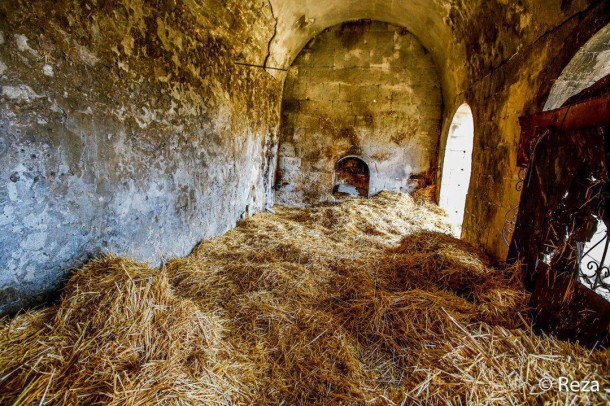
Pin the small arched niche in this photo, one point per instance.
(352, 177)
(457, 166)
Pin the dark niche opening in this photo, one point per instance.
(352, 177)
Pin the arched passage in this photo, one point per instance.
(352, 177)
(457, 166)
(362, 88)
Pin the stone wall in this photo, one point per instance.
(502, 92)
(590, 64)
(501, 57)
(126, 127)
(366, 89)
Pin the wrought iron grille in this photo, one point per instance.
(510, 218)
(595, 262)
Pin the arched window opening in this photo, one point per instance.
(457, 167)
(583, 86)
(561, 233)
(352, 177)
(587, 76)
(595, 262)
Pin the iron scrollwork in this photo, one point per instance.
(598, 277)
(510, 218)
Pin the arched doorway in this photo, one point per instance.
(352, 177)
(457, 167)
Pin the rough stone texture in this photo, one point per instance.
(139, 103)
(589, 65)
(301, 20)
(465, 38)
(365, 89)
(517, 86)
(501, 57)
(125, 126)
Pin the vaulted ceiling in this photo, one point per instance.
(465, 37)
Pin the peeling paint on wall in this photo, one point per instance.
(127, 129)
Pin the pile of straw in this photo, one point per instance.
(365, 302)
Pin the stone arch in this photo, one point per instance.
(590, 64)
(364, 88)
(352, 176)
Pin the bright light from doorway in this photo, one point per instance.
(457, 167)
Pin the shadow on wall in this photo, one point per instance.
(352, 177)
(457, 167)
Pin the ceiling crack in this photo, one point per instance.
(272, 37)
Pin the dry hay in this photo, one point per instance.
(366, 302)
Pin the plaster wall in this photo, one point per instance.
(126, 127)
(367, 89)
